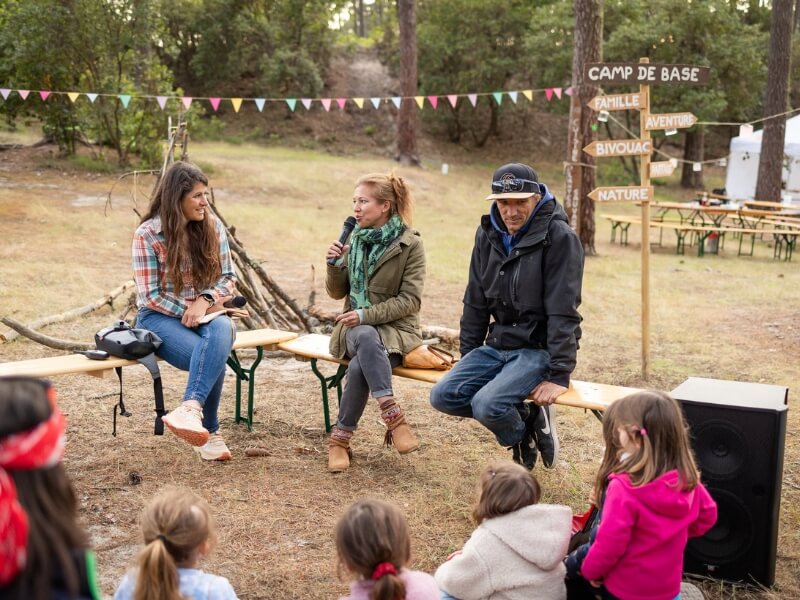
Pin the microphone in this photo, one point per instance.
(347, 227)
(235, 302)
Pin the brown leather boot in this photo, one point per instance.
(397, 430)
(339, 450)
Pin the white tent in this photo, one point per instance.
(740, 182)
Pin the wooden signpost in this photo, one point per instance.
(644, 74)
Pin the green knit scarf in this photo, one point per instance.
(366, 247)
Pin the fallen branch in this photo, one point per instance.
(45, 340)
(108, 299)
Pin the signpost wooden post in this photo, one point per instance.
(643, 74)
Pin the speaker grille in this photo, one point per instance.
(721, 448)
(731, 537)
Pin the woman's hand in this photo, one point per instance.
(350, 319)
(335, 250)
(194, 312)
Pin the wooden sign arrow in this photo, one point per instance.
(670, 121)
(616, 102)
(621, 194)
(619, 148)
(663, 168)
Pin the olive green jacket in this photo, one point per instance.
(395, 295)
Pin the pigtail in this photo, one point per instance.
(158, 574)
(404, 203)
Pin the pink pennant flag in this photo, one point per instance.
(549, 93)
(306, 102)
(162, 101)
(44, 94)
(341, 102)
(5, 92)
(558, 92)
(214, 103)
(326, 104)
(186, 101)
(237, 104)
(434, 100)
(568, 91)
(453, 98)
(473, 98)
(24, 93)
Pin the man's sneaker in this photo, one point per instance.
(214, 448)
(186, 422)
(542, 425)
(525, 452)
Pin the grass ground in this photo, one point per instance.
(724, 317)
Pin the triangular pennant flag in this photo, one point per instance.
(513, 96)
(162, 101)
(43, 94)
(306, 102)
(359, 102)
(187, 102)
(420, 100)
(528, 94)
(434, 100)
(237, 104)
(558, 92)
(498, 97)
(396, 100)
(292, 102)
(73, 96)
(214, 103)
(23, 93)
(473, 99)
(376, 102)
(5, 92)
(91, 96)
(326, 104)
(549, 93)
(568, 91)
(453, 98)
(124, 98)
(341, 102)
(260, 104)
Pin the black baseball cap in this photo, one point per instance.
(514, 181)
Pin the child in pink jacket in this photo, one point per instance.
(653, 501)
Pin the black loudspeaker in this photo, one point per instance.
(737, 433)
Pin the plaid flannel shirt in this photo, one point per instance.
(154, 290)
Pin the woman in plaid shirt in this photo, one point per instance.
(183, 269)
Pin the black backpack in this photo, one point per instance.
(123, 341)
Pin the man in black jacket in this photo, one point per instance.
(520, 324)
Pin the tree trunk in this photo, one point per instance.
(407, 115)
(693, 150)
(796, 26)
(360, 15)
(581, 174)
(770, 166)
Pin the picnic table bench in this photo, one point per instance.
(313, 347)
(258, 339)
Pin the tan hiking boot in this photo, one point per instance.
(397, 430)
(339, 453)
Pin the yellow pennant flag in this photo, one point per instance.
(420, 100)
(73, 95)
(528, 94)
(359, 102)
(237, 104)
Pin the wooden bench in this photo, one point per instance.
(313, 347)
(259, 339)
(787, 236)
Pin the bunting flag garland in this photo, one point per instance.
(327, 103)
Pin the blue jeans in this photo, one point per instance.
(202, 351)
(490, 385)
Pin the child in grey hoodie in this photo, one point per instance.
(518, 548)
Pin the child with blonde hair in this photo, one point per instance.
(178, 531)
(374, 546)
(652, 501)
(518, 548)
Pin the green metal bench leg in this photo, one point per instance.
(248, 375)
(598, 414)
(326, 383)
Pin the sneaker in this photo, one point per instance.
(214, 448)
(542, 426)
(525, 453)
(186, 422)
